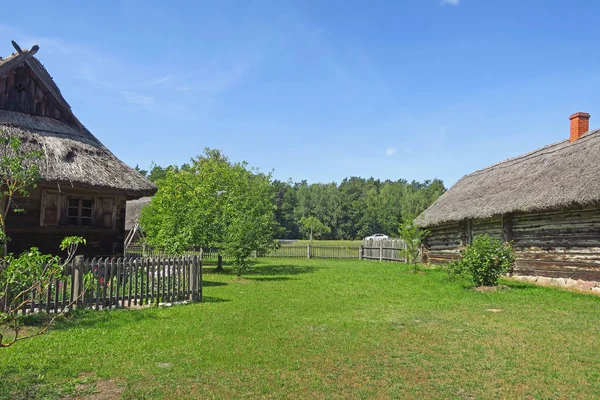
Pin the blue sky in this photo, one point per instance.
(321, 90)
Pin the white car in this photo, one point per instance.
(377, 236)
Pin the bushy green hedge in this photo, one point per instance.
(484, 260)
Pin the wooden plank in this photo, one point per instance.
(147, 278)
(135, 279)
(163, 279)
(152, 291)
(104, 264)
(118, 282)
(159, 283)
(179, 286)
(64, 289)
(56, 294)
(130, 273)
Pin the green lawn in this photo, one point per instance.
(328, 242)
(315, 329)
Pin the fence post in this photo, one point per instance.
(361, 250)
(381, 250)
(201, 280)
(308, 251)
(194, 276)
(76, 289)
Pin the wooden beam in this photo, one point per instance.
(14, 62)
(16, 46)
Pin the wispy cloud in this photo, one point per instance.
(139, 99)
(391, 151)
(450, 2)
(159, 81)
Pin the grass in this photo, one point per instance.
(315, 329)
(327, 242)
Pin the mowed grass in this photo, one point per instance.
(314, 329)
(326, 242)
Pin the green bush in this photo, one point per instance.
(485, 260)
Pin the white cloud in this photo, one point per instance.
(391, 151)
(159, 81)
(450, 2)
(139, 99)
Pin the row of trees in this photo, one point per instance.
(355, 208)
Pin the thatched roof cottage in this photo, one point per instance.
(84, 187)
(546, 202)
(133, 231)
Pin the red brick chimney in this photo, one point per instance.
(580, 124)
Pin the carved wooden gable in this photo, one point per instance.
(22, 91)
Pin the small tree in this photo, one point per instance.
(485, 260)
(314, 228)
(214, 204)
(33, 271)
(18, 173)
(413, 237)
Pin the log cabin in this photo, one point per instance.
(547, 203)
(83, 188)
(133, 231)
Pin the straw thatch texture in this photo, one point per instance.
(134, 210)
(73, 156)
(551, 178)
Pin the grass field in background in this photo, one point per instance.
(324, 242)
(318, 329)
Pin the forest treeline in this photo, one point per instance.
(352, 209)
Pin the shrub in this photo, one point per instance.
(486, 259)
(412, 236)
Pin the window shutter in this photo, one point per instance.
(50, 209)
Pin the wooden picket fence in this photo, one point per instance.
(314, 251)
(380, 250)
(383, 250)
(143, 250)
(121, 282)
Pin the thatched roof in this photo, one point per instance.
(134, 210)
(560, 175)
(73, 156)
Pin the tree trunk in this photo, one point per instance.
(219, 263)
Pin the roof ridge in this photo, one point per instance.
(534, 153)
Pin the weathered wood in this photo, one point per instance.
(130, 278)
(76, 280)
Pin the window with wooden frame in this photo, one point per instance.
(80, 211)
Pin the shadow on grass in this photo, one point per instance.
(269, 278)
(106, 318)
(209, 299)
(261, 269)
(212, 284)
(280, 270)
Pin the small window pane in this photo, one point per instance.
(86, 212)
(72, 220)
(86, 203)
(74, 202)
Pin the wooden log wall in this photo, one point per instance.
(35, 226)
(490, 226)
(558, 244)
(562, 243)
(443, 243)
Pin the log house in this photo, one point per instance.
(84, 187)
(547, 203)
